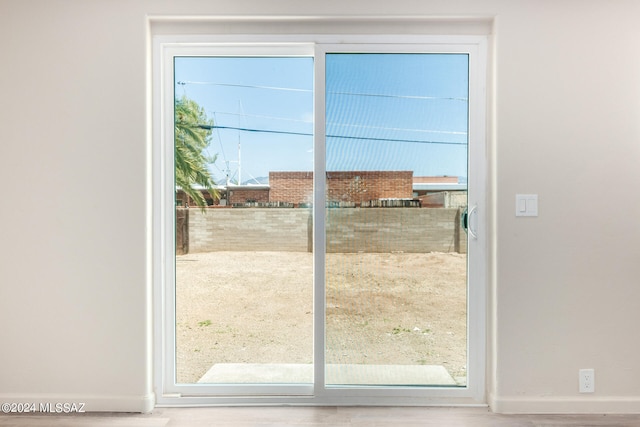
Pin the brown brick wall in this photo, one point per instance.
(182, 199)
(244, 195)
(182, 231)
(351, 186)
(358, 187)
(436, 179)
(292, 187)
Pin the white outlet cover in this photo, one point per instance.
(587, 380)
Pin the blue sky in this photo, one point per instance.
(383, 112)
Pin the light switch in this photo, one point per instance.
(526, 205)
(522, 205)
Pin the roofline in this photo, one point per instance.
(439, 186)
(435, 186)
(248, 187)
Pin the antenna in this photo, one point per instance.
(242, 117)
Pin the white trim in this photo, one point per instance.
(477, 248)
(151, 247)
(321, 25)
(156, 213)
(319, 219)
(164, 48)
(565, 405)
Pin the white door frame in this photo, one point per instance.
(165, 48)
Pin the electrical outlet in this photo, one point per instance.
(587, 380)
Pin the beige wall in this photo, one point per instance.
(75, 282)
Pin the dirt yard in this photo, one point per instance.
(256, 307)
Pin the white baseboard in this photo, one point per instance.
(565, 405)
(66, 403)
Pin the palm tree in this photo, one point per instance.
(192, 136)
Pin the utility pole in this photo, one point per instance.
(240, 117)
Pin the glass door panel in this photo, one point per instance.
(244, 265)
(396, 185)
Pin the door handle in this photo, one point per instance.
(465, 221)
(472, 232)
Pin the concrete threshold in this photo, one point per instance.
(336, 374)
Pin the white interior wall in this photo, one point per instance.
(75, 289)
(567, 110)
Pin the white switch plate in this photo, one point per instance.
(526, 205)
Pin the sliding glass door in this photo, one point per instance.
(396, 270)
(244, 282)
(315, 222)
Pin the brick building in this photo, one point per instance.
(291, 187)
(440, 191)
(182, 199)
(346, 188)
(239, 194)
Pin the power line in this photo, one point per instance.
(447, 132)
(365, 138)
(209, 127)
(380, 95)
(260, 116)
(397, 140)
(182, 83)
(224, 157)
(377, 95)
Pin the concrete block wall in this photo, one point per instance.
(394, 230)
(348, 230)
(444, 199)
(251, 229)
(456, 199)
